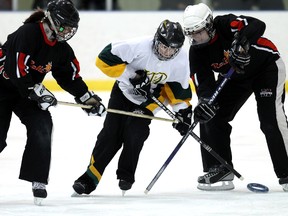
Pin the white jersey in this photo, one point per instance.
(137, 54)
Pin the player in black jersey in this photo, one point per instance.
(217, 45)
(36, 48)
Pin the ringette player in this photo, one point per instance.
(141, 66)
(217, 45)
(33, 50)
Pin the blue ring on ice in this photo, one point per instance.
(257, 188)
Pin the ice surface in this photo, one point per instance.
(174, 193)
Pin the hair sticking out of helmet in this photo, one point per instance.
(198, 24)
(168, 40)
(64, 18)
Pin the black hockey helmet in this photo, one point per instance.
(168, 40)
(63, 17)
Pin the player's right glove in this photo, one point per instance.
(141, 83)
(184, 115)
(204, 112)
(43, 96)
(239, 56)
(89, 98)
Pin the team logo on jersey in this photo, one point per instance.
(40, 68)
(157, 77)
(266, 93)
(224, 61)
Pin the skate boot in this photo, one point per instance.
(83, 185)
(39, 192)
(284, 183)
(218, 178)
(124, 186)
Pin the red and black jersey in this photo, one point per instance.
(28, 56)
(214, 57)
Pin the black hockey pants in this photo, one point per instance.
(120, 131)
(269, 92)
(37, 154)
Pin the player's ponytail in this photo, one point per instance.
(35, 17)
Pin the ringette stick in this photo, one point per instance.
(190, 132)
(119, 112)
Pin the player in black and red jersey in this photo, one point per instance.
(217, 45)
(36, 48)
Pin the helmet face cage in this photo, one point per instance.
(206, 24)
(198, 18)
(64, 19)
(168, 40)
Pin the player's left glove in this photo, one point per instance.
(141, 83)
(184, 115)
(43, 96)
(89, 98)
(239, 56)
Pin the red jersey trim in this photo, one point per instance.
(47, 41)
(267, 43)
(21, 64)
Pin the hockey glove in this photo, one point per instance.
(204, 112)
(43, 96)
(141, 83)
(89, 98)
(184, 115)
(239, 53)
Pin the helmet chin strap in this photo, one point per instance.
(51, 22)
(49, 32)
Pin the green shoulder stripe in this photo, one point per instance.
(107, 57)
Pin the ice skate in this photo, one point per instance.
(83, 185)
(124, 186)
(39, 192)
(217, 179)
(284, 183)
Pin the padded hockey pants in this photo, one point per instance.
(37, 154)
(269, 92)
(120, 131)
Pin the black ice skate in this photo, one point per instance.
(284, 183)
(39, 192)
(124, 186)
(217, 179)
(83, 185)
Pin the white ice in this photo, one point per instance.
(174, 193)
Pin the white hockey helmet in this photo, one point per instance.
(197, 18)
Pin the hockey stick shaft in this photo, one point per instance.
(190, 131)
(121, 112)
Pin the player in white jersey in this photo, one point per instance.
(142, 66)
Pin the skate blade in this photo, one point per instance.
(285, 187)
(218, 186)
(38, 201)
(123, 192)
(75, 194)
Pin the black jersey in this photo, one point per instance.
(214, 57)
(28, 55)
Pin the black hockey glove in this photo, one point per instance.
(184, 115)
(204, 112)
(239, 53)
(141, 83)
(43, 96)
(89, 98)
